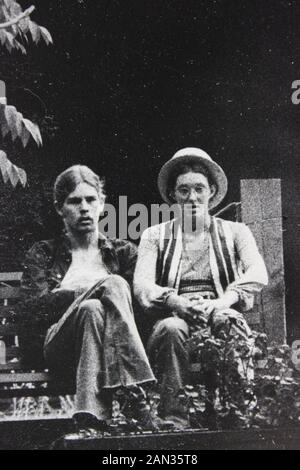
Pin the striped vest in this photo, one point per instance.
(222, 255)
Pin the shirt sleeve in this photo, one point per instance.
(38, 303)
(149, 294)
(253, 274)
(127, 254)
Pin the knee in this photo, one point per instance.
(174, 327)
(170, 334)
(116, 281)
(223, 316)
(230, 321)
(90, 309)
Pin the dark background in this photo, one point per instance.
(127, 83)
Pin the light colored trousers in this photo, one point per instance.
(97, 346)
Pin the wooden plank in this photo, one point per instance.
(25, 377)
(270, 196)
(11, 366)
(9, 292)
(13, 276)
(253, 317)
(261, 210)
(37, 391)
(273, 297)
(46, 389)
(251, 202)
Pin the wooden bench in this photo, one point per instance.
(15, 380)
(260, 208)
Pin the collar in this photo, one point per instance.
(104, 244)
(206, 225)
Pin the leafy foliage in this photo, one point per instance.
(16, 36)
(16, 27)
(11, 172)
(228, 395)
(13, 122)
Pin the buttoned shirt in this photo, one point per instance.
(46, 264)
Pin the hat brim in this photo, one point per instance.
(216, 173)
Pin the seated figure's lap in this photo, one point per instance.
(90, 305)
(172, 325)
(175, 326)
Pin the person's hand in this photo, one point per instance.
(213, 305)
(210, 306)
(187, 309)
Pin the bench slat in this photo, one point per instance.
(38, 391)
(11, 366)
(25, 377)
(8, 277)
(9, 292)
(252, 318)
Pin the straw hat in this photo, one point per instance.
(191, 155)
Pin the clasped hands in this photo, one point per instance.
(197, 309)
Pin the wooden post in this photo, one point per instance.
(262, 212)
(2, 92)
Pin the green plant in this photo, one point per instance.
(16, 27)
(242, 383)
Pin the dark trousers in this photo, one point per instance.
(168, 352)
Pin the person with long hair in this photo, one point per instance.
(76, 294)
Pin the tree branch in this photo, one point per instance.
(17, 19)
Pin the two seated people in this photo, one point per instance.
(76, 291)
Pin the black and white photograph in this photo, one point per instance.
(149, 227)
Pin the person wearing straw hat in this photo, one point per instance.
(193, 268)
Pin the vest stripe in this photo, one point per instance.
(225, 252)
(169, 260)
(175, 267)
(222, 273)
(169, 256)
(165, 241)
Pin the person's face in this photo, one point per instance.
(81, 209)
(193, 192)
